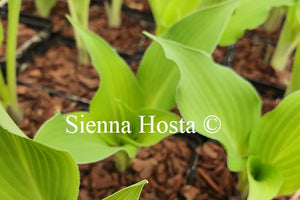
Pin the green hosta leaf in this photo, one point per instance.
(118, 83)
(275, 141)
(157, 75)
(78, 10)
(29, 170)
(150, 138)
(129, 193)
(44, 6)
(149, 126)
(207, 89)
(249, 15)
(117, 80)
(83, 146)
(167, 12)
(288, 41)
(264, 180)
(7, 123)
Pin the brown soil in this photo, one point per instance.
(219, 54)
(213, 179)
(252, 60)
(58, 69)
(39, 106)
(57, 14)
(163, 165)
(127, 38)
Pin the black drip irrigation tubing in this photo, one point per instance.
(83, 102)
(257, 39)
(30, 21)
(194, 140)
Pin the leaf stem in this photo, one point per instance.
(288, 41)
(243, 185)
(295, 75)
(274, 20)
(122, 161)
(11, 64)
(4, 94)
(113, 13)
(80, 13)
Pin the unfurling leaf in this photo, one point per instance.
(275, 141)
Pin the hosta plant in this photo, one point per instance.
(122, 99)
(30, 170)
(8, 86)
(263, 149)
(248, 14)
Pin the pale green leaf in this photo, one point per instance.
(168, 12)
(157, 75)
(249, 15)
(79, 11)
(84, 144)
(29, 170)
(129, 193)
(288, 41)
(149, 126)
(264, 179)
(45, 6)
(207, 89)
(117, 80)
(275, 140)
(163, 124)
(7, 123)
